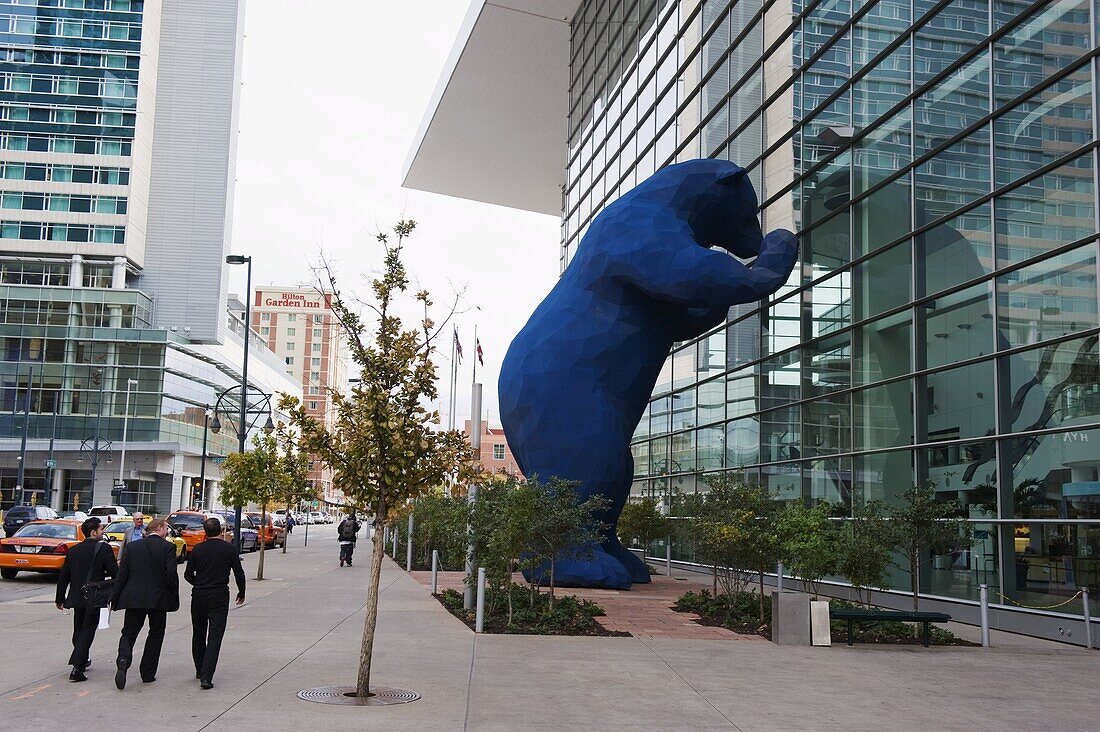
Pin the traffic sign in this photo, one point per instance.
(51, 463)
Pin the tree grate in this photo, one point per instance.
(343, 695)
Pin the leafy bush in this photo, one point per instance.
(567, 616)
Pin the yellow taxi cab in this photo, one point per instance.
(116, 532)
(188, 524)
(40, 546)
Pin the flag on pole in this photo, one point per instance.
(458, 346)
(480, 355)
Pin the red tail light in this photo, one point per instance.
(61, 549)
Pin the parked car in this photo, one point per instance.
(116, 531)
(250, 537)
(188, 524)
(273, 534)
(18, 516)
(109, 513)
(40, 546)
(316, 517)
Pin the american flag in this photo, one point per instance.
(458, 346)
(480, 355)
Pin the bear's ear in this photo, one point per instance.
(730, 178)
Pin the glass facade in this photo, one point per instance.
(938, 161)
(68, 86)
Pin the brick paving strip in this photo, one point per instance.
(645, 611)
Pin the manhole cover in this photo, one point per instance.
(382, 695)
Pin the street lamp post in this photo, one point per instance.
(23, 445)
(202, 468)
(125, 427)
(240, 259)
(216, 426)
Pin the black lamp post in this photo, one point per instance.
(202, 468)
(241, 259)
(216, 427)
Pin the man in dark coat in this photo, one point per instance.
(346, 535)
(207, 571)
(148, 586)
(89, 561)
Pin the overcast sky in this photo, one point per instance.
(329, 107)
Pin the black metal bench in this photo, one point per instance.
(880, 616)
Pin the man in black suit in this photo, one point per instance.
(148, 586)
(89, 561)
(207, 571)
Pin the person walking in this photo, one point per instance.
(133, 533)
(89, 561)
(346, 535)
(207, 572)
(289, 523)
(148, 586)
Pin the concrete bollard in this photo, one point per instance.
(479, 622)
(1088, 616)
(779, 577)
(435, 571)
(409, 546)
(984, 596)
(668, 557)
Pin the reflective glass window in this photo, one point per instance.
(959, 402)
(956, 251)
(957, 327)
(883, 415)
(1044, 128)
(1051, 298)
(1048, 211)
(1051, 386)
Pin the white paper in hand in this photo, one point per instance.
(104, 615)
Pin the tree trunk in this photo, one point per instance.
(761, 596)
(509, 590)
(552, 565)
(714, 580)
(362, 682)
(914, 578)
(262, 537)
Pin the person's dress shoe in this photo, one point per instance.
(341, 562)
(77, 675)
(120, 675)
(204, 684)
(149, 681)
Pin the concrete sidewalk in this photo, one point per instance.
(302, 628)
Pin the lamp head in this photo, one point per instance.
(237, 259)
(269, 426)
(216, 425)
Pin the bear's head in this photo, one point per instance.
(715, 198)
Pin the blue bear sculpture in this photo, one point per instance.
(578, 376)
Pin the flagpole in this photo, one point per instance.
(454, 376)
(451, 395)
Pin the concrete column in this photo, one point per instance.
(118, 275)
(76, 271)
(58, 487)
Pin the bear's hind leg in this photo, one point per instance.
(638, 570)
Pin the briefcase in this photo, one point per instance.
(97, 594)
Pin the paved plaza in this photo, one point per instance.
(301, 629)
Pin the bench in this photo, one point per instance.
(880, 616)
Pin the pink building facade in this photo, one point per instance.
(496, 456)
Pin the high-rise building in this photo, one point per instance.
(938, 161)
(299, 327)
(118, 125)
